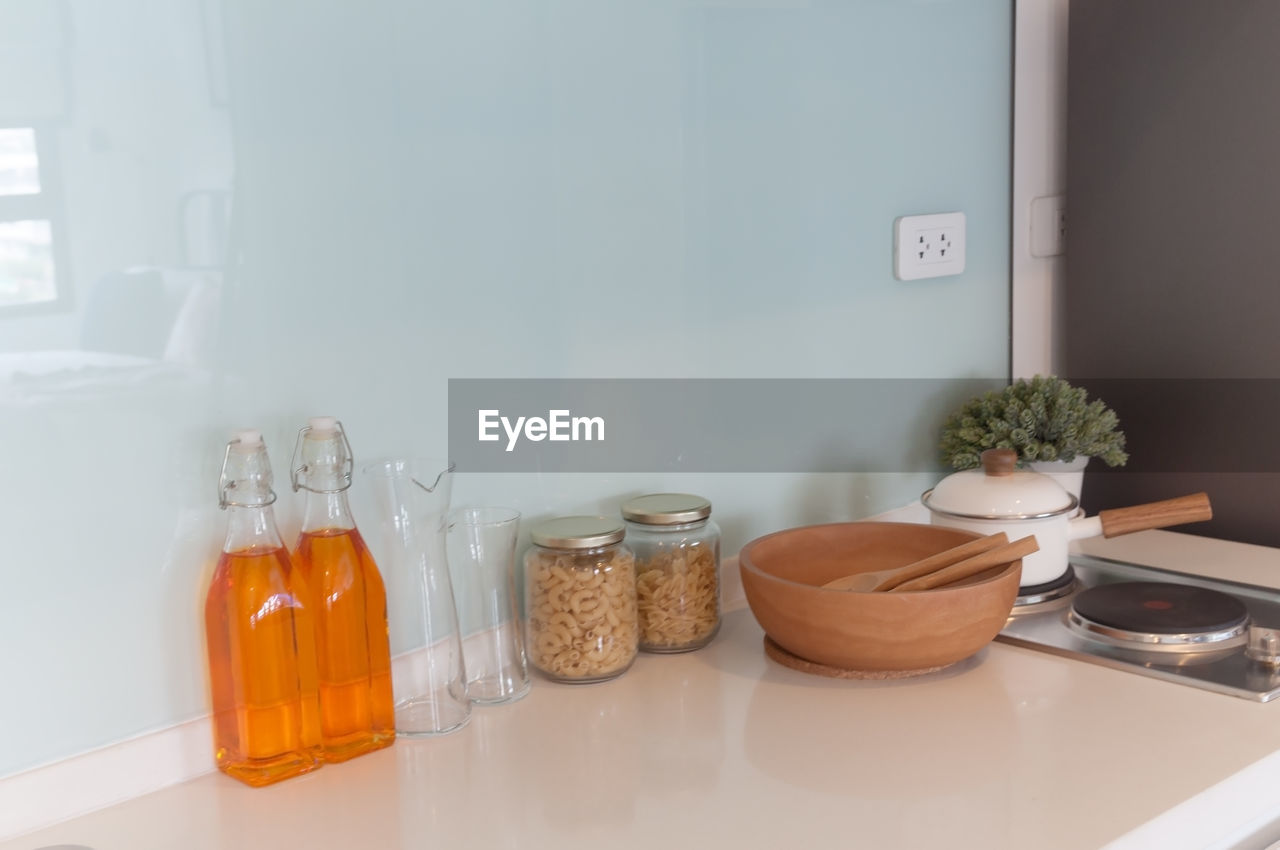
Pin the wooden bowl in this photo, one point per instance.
(782, 574)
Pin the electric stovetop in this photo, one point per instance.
(1207, 633)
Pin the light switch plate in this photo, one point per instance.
(928, 245)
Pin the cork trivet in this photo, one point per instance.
(795, 662)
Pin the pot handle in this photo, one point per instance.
(1193, 508)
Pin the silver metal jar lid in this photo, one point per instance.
(578, 532)
(666, 509)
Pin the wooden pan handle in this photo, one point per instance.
(972, 566)
(1193, 508)
(936, 562)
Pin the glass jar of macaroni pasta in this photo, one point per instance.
(677, 551)
(580, 599)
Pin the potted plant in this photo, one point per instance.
(1052, 425)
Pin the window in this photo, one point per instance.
(19, 162)
(28, 225)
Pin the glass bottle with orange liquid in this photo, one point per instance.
(262, 663)
(353, 651)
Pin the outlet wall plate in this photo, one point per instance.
(928, 245)
(1048, 225)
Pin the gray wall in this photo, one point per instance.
(1173, 161)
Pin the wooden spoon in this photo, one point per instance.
(972, 566)
(892, 577)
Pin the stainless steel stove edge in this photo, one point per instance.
(1043, 628)
(1149, 672)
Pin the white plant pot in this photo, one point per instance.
(1069, 475)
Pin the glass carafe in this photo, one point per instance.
(411, 497)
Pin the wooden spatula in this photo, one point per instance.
(890, 578)
(941, 569)
(972, 566)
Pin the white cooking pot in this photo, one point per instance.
(999, 497)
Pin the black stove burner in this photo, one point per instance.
(1157, 608)
(1048, 587)
(1046, 595)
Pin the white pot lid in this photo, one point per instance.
(999, 491)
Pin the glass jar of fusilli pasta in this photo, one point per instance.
(677, 549)
(580, 599)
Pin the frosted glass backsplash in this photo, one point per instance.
(229, 213)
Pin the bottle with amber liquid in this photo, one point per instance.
(262, 663)
(349, 600)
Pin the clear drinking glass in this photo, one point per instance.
(428, 673)
(482, 549)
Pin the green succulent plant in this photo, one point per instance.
(1044, 419)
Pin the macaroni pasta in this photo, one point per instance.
(678, 596)
(582, 612)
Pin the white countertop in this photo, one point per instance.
(722, 747)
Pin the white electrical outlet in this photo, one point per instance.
(928, 245)
(1048, 226)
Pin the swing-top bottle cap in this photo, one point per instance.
(245, 479)
(323, 424)
(322, 461)
(247, 438)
